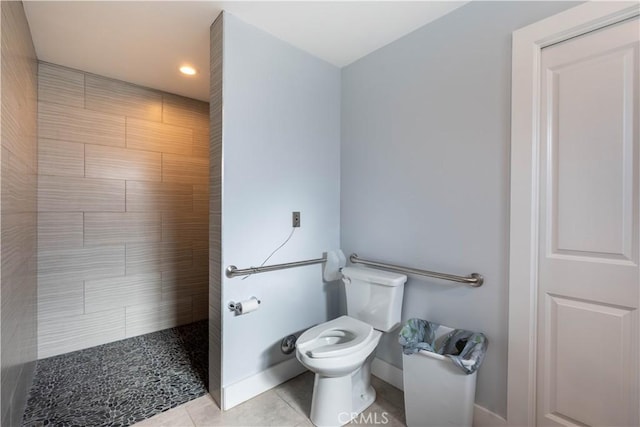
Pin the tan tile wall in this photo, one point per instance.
(18, 213)
(123, 210)
(215, 209)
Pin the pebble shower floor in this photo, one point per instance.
(120, 383)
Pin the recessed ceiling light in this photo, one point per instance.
(188, 70)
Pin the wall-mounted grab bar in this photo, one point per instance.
(233, 271)
(474, 280)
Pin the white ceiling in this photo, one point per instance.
(144, 42)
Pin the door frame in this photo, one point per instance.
(528, 43)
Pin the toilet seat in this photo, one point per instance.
(335, 338)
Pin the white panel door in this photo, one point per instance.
(589, 282)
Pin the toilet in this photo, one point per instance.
(340, 351)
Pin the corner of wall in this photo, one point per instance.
(215, 211)
(18, 155)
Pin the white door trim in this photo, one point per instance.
(523, 253)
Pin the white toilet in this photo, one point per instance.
(340, 351)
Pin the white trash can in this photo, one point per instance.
(436, 391)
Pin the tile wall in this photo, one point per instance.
(122, 210)
(215, 211)
(18, 172)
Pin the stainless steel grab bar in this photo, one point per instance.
(474, 279)
(233, 271)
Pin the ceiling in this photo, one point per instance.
(144, 42)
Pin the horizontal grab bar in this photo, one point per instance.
(233, 271)
(474, 280)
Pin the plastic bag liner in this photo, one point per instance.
(466, 349)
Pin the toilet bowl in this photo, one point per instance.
(341, 350)
(340, 353)
(338, 347)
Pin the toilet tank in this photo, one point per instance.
(374, 296)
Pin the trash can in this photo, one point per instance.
(439, 373)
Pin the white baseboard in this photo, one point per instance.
(252, 386)
(387, 373)
(482, 417)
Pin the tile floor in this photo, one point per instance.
(120, 383)
(286, 405)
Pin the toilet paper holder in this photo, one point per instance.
(244, 307)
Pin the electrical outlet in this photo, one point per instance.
(295, 219)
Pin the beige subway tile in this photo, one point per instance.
(146, 318)
(200, 143)
(83, 263)
(187, 112)
(183, 169)
(215, 179)
(162, 256)
(113, 292)
(18, 238)
(103, 228)
(79, 125)
(201, 199)
(160, 137)
(19, 134)
(74, 332)
(201, 265)
(60, 158)
(215, 135)
(201, 252)
(60, 230)
(60, 85)
(19, 84)
(122, 163)
(215, 195)
(200, 306)
(215, 252)
(183, 283)
(125, 99)
(215, 153)
(19, 294)
(156, 196)
(215, 139)
(215, 227)
(18, 287)
(69, 194)
(215, 156)
(60, 298)
(184, 227)
(17, 182)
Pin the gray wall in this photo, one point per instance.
(122, 210)
(18, 223)
(425, 169)
(281, 144)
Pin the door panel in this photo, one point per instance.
(578, 350)
(589, 279)
(596, 216)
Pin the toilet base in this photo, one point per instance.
(338, 400)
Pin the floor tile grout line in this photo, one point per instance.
(189, 413)
(296, 410)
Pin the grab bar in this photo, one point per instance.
(233, 271)
(474, 280)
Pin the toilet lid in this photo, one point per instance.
(316, 341)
